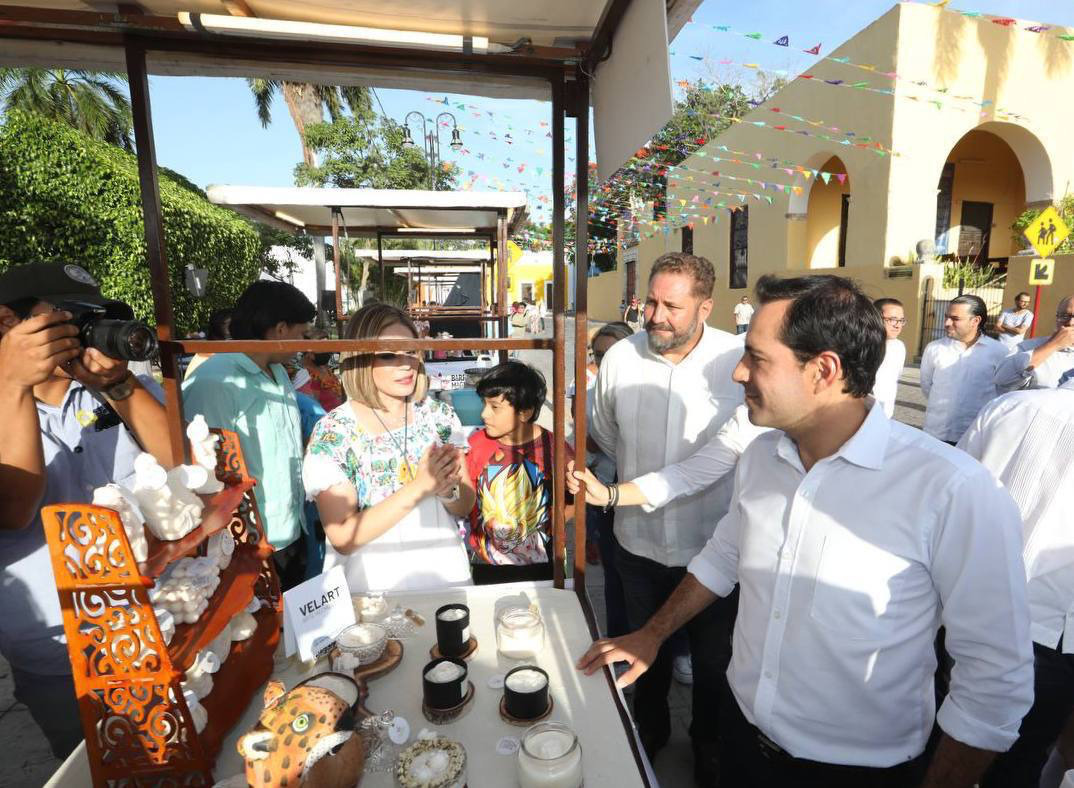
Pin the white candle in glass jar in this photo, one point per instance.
(550, 757)
(520, 633)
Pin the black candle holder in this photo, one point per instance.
(444, 694)
(525, 705)
(452, 637)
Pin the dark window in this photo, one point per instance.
(844, 218)
(740, 230)
(943, 206)
(687, 240)
(974, 233)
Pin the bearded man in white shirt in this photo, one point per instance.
(660, 396)
(958, 371)
(852, 539)
(1025, 439)
(1044, 362)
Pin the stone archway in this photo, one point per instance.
(989, 177)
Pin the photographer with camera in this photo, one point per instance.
(75, 419)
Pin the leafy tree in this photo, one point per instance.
(1065, 208)
(307, 104)
(364, 151)
(92, 102)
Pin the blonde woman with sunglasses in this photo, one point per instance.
(387, 483)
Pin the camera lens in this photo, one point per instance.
(124, 339)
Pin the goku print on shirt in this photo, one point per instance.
(510, 522)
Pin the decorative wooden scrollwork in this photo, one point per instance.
(139, 728)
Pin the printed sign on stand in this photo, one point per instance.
(314, 612)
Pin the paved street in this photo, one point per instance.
(29, 763)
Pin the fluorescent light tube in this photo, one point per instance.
(291, 219)
(315, 31)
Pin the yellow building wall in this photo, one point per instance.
(1017, 71)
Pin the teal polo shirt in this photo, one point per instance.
(233, 393)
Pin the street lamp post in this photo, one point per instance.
(430, 133)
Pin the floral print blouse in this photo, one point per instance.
(341, 450)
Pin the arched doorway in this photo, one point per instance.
(989, 177)
(828, 216)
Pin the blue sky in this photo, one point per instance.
(208, 129)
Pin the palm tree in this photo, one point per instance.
(307, 104)
(91, 101)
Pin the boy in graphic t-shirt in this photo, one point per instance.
(510, 462)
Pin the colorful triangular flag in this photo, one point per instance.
(782, 41)
(814, 51)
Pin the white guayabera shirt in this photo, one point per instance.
(845, 573)
(649, 413)
(1025, 438)
(886, 385)
(958, 381)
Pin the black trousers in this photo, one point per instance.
(1053, 703)
(748, 759)
(646, 586)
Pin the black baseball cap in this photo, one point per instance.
(55, 282)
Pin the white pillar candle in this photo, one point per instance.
(445, 672)
(550, 757)
(525, 681)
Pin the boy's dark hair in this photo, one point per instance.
(520, 384)
(880, 303)
(218, 325)
(264, 304)
(830, 313)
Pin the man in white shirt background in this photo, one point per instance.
(1013, 324)
(743, 314)
(886, 388)
(1044, 362)
(852, 538)
(660, 396)
(1025, 438)
(958, 371)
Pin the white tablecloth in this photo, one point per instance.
(583, 702)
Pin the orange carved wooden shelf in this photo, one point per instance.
(139, 730)
(234, 593)
(218, 511)
(246, 669)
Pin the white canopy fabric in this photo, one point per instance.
(370, 210)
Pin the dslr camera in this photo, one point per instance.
(111, 329)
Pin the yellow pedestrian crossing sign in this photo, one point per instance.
(1041, 272)
(1047, 232)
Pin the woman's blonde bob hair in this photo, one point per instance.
(356, 369)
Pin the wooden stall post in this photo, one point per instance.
(501, 278)
(155, 247)
(559, 361)
(581, 354)
(339, 278)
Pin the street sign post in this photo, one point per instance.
(1045, 235)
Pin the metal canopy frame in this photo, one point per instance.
(566, 73)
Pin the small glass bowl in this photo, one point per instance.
(366, 642)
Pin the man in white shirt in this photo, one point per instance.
(886, 388)
(1044, 362)
(958, 371)
(1025, 439)
(852, 539)
(660, 395)
(1013, 324)
(743, 314)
